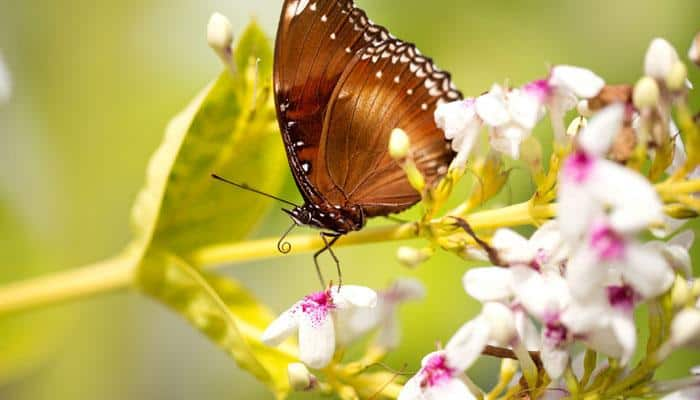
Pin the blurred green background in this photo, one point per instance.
(95, 83)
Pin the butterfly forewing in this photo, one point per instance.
(315, 42)
(342, 84)
(387, 86)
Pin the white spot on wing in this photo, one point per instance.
(301, 6)
(313, 6)
(324, 18)
(333, 36)
(379, 74)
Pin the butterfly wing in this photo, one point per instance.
(316, 40)
(387, 85)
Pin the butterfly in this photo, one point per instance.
(341, 85)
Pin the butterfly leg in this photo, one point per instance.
(327, 247)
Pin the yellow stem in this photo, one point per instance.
(103, 276)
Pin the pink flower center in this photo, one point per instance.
(555, 332)
(608, 244)
(317, 306)
(540, 259)
(622, 297)
(436, 371)
(578, 166)
(539, 89)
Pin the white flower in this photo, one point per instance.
(436, 380)
(659, 59)
(606, 252)
(461, 125)
(591, 185)
(312, 317)
(440, 376)
(5, 82)
(511, 116)
(355, 322)
(546, 296)
(561, 91)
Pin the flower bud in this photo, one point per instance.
(646, 93)
(676, 78)
(584, 109)
(219, 33)
(694, 52)
(576, 126)
(5, 82)
(659, 59)
(680, 293)
(399, 144)
(415, 177)
(300, 379)
(685, 328)
(412, 257)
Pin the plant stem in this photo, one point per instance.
(117, 272)
(103, 276)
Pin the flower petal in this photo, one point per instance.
(636, 205)
(280, 329)
(597, 137)
(453, 389)
(626, 334)
(412, 389)
(584, 274)
(488, 284)
(316, 340)
(405, 289)
(512, 247)
(582, 82)
(554, 359)
(646, 271)
(454, 117)
(389, 335)
(524, 109)
(605, 341)
(467, 343)
(353, 296)
(492, 108)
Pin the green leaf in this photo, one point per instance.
(230, 129)
(223, 310)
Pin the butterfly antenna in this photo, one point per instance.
(390, 381)
(283, 245)
(490, 251)
(246, 187)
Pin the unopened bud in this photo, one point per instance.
(220, 36)
(412, 257)
(685, 328)
(694, 52)
(646, 93)
(347, 393)
(415, 177)
(676, 78)
(680, 293)
(576, 126)
(300, 379)
(584, 109)
(399, 143)
(659, 59)
(5, 82)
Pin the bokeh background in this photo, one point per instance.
(95, 83)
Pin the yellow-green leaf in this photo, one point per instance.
(230, 129)
(223, 310)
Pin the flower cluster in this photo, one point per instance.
(621, 173)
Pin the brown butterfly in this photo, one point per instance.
(341, 85)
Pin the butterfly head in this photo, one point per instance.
(334, 218)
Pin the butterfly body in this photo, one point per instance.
(342, 84)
